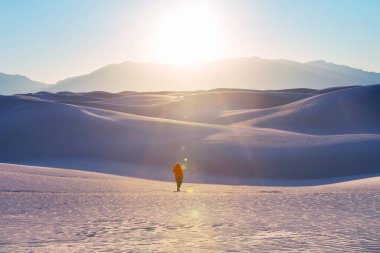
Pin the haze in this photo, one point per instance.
(52, 40)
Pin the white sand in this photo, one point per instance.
(54, 210)
(275, 135)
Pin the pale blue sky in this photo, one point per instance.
(49, 40)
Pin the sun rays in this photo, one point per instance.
(189, 34)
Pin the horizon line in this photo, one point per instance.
(185, 65)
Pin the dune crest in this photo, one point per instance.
(225, 135)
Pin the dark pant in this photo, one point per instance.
(178, 179)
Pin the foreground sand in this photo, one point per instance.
(53, 210)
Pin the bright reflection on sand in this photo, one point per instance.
(194, 213)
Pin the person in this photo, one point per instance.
(178, 173)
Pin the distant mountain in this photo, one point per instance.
(247, 73)
(13, 84)
(251, 73)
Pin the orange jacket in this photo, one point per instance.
(177, 170)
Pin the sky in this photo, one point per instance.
(52, 40)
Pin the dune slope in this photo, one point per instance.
(354, 110)
(271, 141)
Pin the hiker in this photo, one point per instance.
(178, 172)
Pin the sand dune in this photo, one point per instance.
(354, 110)
(225, 136)
(55, 210)
(201, 106)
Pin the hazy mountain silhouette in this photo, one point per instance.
(251, 73)
(13, 84)
(243, 73)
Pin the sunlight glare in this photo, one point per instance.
(189, 34)
(195, 213)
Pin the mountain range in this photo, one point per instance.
(13, 84)
(249, 73)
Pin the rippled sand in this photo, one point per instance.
(52, 210)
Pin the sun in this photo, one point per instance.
(188, 34)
